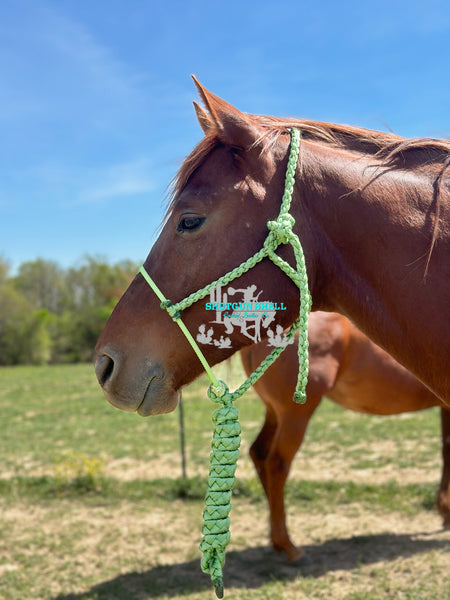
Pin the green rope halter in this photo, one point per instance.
(226, 440)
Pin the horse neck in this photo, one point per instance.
(367, 242)
(347, 222)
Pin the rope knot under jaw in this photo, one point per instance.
(217, 393)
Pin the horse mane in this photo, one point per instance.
(389, 149)
(392, 150)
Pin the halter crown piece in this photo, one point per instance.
(226, 437)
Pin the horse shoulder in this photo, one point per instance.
(327, 341)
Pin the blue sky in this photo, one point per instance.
(96, 99)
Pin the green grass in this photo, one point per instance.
(49, 411)
(71, 531)
(315, 495)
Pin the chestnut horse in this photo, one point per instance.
(371, 211)
(345, 366)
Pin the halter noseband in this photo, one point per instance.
(226, 440)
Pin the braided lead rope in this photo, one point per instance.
(223, 462)
(226, 437)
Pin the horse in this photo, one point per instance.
(348, 368)
(371, 211)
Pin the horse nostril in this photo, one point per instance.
(104, 367)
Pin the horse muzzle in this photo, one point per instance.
(143, 388)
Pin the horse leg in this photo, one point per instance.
(286, 422)
(260, 448)
(272, 456)
(443, 497)
(288, 439)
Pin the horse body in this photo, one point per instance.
(371, 213)
(346, 367)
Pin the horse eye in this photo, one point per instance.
(190, 223)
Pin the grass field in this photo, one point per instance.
(93, 505)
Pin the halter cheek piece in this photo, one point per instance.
(226, 440)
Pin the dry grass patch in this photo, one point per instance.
(66, 550)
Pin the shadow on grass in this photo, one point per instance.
(255, 567)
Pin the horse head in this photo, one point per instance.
(226, 191)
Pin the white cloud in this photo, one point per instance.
(89, 58)
(65, 186)
(127, 179)
(55, 70)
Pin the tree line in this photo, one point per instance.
(49, 314)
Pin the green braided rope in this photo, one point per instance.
(226, 440)
(215, 528)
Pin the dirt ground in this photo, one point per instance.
(348, 550)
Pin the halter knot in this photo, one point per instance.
(167, 305)
(282, 228)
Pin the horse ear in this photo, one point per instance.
(204, 119)
(231, 125)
